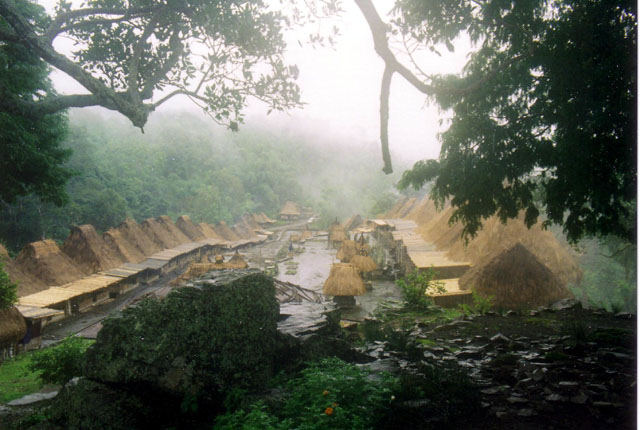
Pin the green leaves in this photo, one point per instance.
(544, 109)
(8, 290)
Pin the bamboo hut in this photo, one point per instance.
(134, 234)
(208, 232)
(347, 251)
(363, 263)
(158, 235)
(13, 328)
(223, 230)
(343, 284)
(236, 262)
(45, 261)
(167, 223)
(516, 279)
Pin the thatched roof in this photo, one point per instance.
(242, 230)
(120, 245)
(208, 231)
(186, 226)
(168, 224)
(236, 262)
(251, 222)
(343, 280)
(45, 261)
(160, 237)
(337, 236)
(27, 282)
(363, 263)
(135, 235)
(517, 280)
(89, 251)
(347, 251)
(262, 218)
(306, 234)
(225, 232)
(290, 209)
(336, 226)
(12, 326)
(352, 223)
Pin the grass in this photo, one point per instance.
(16, 380)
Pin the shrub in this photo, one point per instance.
(329, 394)
(8, 290)
(416, 285)
(62, 362)
(481, 304)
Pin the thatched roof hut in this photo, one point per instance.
(290, 211)
(12, 326)
(186, 226)
(347, 251)
(250, 222)
(262, 219)
(363, 263)
(236, 262)
(516, 279)
(89, 251)
(343, 280)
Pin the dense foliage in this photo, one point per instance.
(184, 165)
(8, 290)
(546, 104)
(31, 152)
(329, 394)
(60, 363)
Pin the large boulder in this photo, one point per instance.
(199, 341)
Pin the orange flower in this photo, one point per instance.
(325, 392)
(335, 405)
(329, 410)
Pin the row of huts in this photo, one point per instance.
(89, 269)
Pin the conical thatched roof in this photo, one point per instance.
(336, 226)
(134, 233)
(516, 279)
(154, 231)
(45, 261)
(337, 236)
(343, 280)
(208, 231)
(166, 222)
(89, 251)
(347, 251)
(120, 245)
(363, 263)
(236, 262)
(12, 326)
(352, 223)
(223, 230)
(190, 230)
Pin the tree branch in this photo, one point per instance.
(384, 119)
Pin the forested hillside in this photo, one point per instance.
(184, 164)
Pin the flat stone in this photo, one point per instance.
(500, 338)
(579, 399)
(526, 412)
(555, 398)
(624, 315)
(514, 399)
(568, 384)
(32, 398)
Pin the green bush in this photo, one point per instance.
(62, 362)
(481, 304)
(8, 290)
(417, 284)
(329, 394)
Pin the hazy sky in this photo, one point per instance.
(341, 87)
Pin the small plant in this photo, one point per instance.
(8, 290)
(62, 362)
(481, 304)
(417, 285)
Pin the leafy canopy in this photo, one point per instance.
(543, 114)
(31, 156)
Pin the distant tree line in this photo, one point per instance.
(185, 165)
